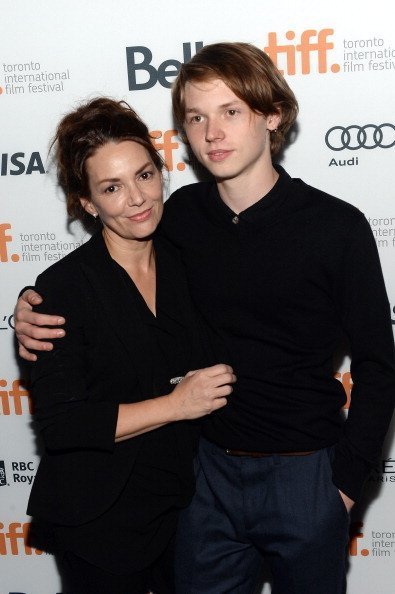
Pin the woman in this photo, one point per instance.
(117, 465)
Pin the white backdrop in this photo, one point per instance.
(339, 58)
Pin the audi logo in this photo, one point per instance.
(355, 137)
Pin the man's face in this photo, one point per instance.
(227, 137)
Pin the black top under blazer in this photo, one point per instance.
(105, 359)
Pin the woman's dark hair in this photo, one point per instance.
(84, 130)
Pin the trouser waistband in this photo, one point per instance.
(240, 453)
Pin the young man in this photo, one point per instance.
(283, 273)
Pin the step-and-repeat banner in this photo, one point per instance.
(339, 58)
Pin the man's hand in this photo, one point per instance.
(348, 503)
(27, 326)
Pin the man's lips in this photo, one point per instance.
(219, 154)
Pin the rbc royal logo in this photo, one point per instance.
(3, 476)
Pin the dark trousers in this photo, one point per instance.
(282, 508)
(80, 577)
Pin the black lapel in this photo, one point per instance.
(117, 305)
(172, 289)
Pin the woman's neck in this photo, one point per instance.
(131, 254)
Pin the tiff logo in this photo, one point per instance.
(355, 535)
(163, 141)
(14, 539)
(346, 380)
(17, 395)
(299, 56)
(4, 239)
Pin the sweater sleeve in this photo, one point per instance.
(66, 417)
(366, 320)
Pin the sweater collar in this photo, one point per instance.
(262, 210)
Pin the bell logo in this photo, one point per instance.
(15, 538)
(138, 61)
(4, 239)
(298, 56)
(15, 395)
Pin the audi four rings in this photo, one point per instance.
(355, 137)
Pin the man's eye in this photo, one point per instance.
(111, 189)
(146, 175)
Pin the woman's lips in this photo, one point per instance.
(141, 216)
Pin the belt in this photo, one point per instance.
(240, 453)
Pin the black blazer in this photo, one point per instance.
(104, 360)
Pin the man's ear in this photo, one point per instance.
(273, 121)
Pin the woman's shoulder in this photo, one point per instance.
(68, 265)
(66, 274)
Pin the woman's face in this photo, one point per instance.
(125, 190)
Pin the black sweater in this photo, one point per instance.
(283, 285)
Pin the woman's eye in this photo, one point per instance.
(146, 175)
(111, 189)
(232, 112)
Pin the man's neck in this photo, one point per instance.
(242, 192)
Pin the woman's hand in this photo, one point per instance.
(203, 391)
(198, 394)
(28, 324)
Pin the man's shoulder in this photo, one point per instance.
(325, 204)
(167, 252)
(190, 193)
(188, 203)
